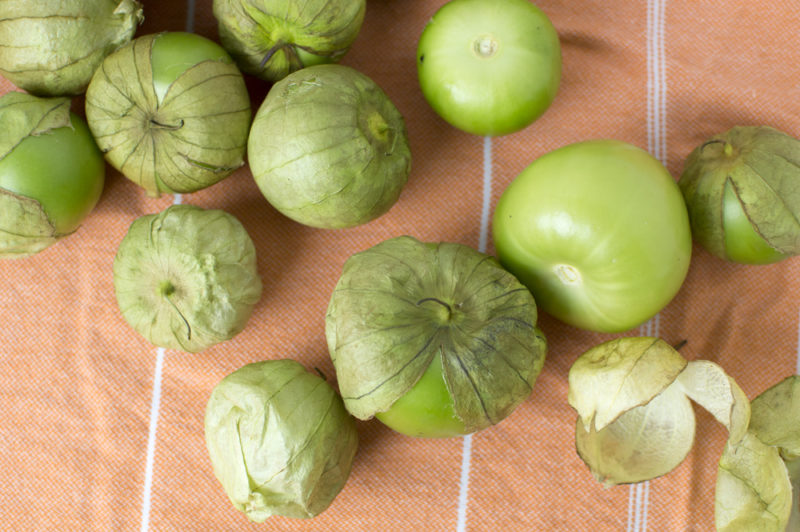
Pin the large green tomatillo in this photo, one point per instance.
(742, 189)
(598, 231)
(435, 339)
(279, 439)
(53, 48)
(273, 38)
(171, 112)
(186, 278)
(489, 67)
(51, 173)
(328, 148)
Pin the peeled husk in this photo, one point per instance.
(186, 278)
(635, 419)
(279, 439)
(25, 228)
(762, 165)
(191, 140)
(758, 479)
(271, 39)
(53, 48)
(402, 302)
(328, 148)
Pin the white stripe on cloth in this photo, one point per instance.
(155, 402)
(483, 241)
(639, 494)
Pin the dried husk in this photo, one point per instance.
(186, 278)
(53, 48)
(328, 148)
(273, 38)
(635, 420)
(191, 140)
(402, 302)
(25, 228)
(761, 166)
(757, 481)
(279, 439)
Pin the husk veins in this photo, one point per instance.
(25, 228)
(193, 139)
(757, 481)
(53, 48)
(186, 278)
(270, 39)
(279, 439)
(402, 302)
(635, 420)
(762, 165)
(328, 148)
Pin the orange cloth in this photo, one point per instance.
(100, 430)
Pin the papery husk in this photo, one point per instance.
(402, 302)
(25, 228)
(753, 491)
(191, 140)
(635, 420)
(53, 48)
(271, 39)
(762, 165)
(776, 417)
(186, 278)
(279, 439)
(328, 148)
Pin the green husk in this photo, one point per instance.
(761, 166)
(758, 480)
(635, 420)
(25, 228)
(402, 302)
(273, 38)
(279, 439)
(53, 48)
(186, 278)
(328, 148)
(193, 139)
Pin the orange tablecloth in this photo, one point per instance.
(100, 430)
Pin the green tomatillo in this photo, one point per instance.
(328, 148)
(742, 189)
(279, 439)
(271, 39)
(53, 48)
(434, 339)
(51, 173)
(171, 112)
(186, 278)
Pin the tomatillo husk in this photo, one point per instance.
(186, 278)
(401, 303)
(29, 128)
(758, 479)
(53, 48)
(193, 138)
(279, 439)
(635, 420)
(742, 191)
(271, 39)
(328, 148)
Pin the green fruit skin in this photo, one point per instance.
(742, 243)
(427, 410)
(489, 67)
(62, 169)
(175, 52)
(599, 233)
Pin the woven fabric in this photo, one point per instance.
(100, 430)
